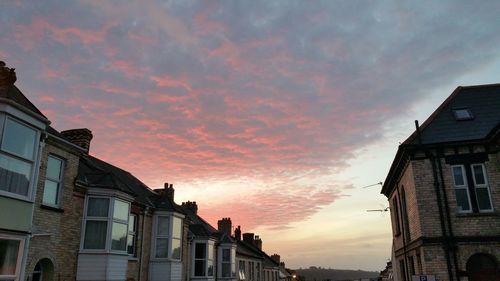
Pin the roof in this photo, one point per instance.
(14, 94)
(245, 249)
(483, 101)
(201, 228)
(95, 173)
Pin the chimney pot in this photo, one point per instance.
(225, 226)
(7, 76)
(237, 233)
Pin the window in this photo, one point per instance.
(17, 156)
(227, 255)
(103, 213)
(481, 187)
(203, 259)
(251, 270)
(475, 197)
(132, 234)
(10, 257)
(241, 270)
(168, 237)
(53, 182)
(462, 114)
(395, 211)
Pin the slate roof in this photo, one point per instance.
(247, 250)
(200, 227)
(95, 173)
(441, 127)
(14, 94)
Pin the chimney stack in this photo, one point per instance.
(248, 237)
(225, 226)
(190, 206)
(276, 258)
(80, 137)
(257, 242)
(7, 76)
(237, 233)
(169, 191)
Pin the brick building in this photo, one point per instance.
(444, 191)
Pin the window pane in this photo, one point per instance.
(8, 256)
(210, 251)
(176, 249)
(226, 270)
(121, 210)
(19, 139)
(478, 174)
(162, 248)
(54, 167)
(483, 199)
(119, 236)
(51, 192)
(14, 175)
(163, 226)
(210, 268)
(226, 254)
(199, 268)
(131, 223)
(131, 244)
(458, 176)
(98, 207)
(200, 251)
(462, 200)
(95, 235)
(177, 227)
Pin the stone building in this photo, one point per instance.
(444, 191)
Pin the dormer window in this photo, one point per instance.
(462, 114)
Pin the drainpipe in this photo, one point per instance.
(431, 157)
(448, 219)
(403, 230)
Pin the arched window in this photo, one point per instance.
(44, 271)
(37, 273)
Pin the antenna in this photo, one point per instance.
(379, 210)
(372, 184)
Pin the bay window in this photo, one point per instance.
(241, 270)
(203, 255)
(106, 224)
(168, 237)
(11, 252)
(132, 234)
(18, 151)
(226, 261)
(52, 191)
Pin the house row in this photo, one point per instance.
(67, 215)
(444, 192)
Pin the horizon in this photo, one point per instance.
(275, 114)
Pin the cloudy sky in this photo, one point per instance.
(273, 113)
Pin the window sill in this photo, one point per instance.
(52, 208)
(102, 252)
(133, 259)
(483, 214)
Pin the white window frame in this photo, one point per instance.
(32, 162)
(208, 244)
(132, 231)
(109, 220)
(484, 186)
(241, 270)
(231, 262)
(465, 187)
(20, 253)
(60, 182)
(169, 236)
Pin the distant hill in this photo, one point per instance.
(320, 274)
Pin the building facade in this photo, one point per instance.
(444, 191)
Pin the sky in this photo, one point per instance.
(273, 113)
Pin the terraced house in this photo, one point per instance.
(67, 215)
(444, 191)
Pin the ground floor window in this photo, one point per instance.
(10, 257)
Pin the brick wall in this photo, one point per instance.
(57, 232)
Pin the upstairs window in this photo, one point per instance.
(17, 157)
(203, 259)
(102, 214)
(471, 188)
(168, 237)
(241, 270)
(52, 191)
(132, 234)
(227, 266)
